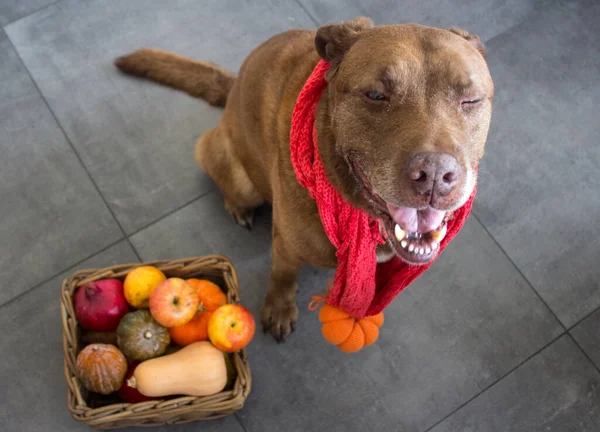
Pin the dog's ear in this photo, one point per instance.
(334, 40)
(473, 38)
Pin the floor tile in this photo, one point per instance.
(12, 10)
(486, 18)
(557, 390)
(34, 388)
(135, 137)
(52, 216)
(469, 320)
(538, 193)
(587, 334)
(466, 322)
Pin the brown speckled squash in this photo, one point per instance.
(101, 368)
(140, 337)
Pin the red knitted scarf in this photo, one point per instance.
(361, 287)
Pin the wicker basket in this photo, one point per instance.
(105, 413)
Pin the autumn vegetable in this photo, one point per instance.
(210, 295)
(140, 337)
(101, 368)
(193, 331)
(349, 334)
(129, 394)
(198, 369)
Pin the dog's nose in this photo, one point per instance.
(434, 173)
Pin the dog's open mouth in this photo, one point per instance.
(414, 234)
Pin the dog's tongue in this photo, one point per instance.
(414, 220)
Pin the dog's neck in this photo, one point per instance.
(337, 168)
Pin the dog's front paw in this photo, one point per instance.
(279, 317)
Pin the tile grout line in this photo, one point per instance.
(586, 316)
(31, 13)
(520, 272)
(239, 420)
(566, 331)
(85, 168)
(92, 180)
(135, 251)
(166, 215)
(585, 354)
(60, 126)
(489, 387)
(94, 184)
(72, 266)
(171, 212)
(77, 155)
(307, 12)
(87, 257)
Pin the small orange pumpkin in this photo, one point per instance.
(194, 331)
(349, 334)
(101, 368)
(210, 295)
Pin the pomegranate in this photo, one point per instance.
(129, 394)
(100, 305)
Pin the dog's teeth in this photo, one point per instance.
(434, 245)
(411, 247)
(399, 233)
(422, 251)
(403, 243)
(438, 235)
(428, 250)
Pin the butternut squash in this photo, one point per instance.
(198, 369)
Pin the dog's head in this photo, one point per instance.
(409, 109)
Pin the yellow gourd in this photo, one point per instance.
(198, 369)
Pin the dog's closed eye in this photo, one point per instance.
(470, 103)
(375, 96)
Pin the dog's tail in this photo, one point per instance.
(199, 79)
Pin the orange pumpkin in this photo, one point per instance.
(346, 332)
(101, 368)
(210, 295)
(193, 331)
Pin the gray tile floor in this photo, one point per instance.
(503, 334)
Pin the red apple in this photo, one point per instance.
(231, 327)
(100, 305)
(129, 394)
(174, 303)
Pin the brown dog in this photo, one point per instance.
(401, 128)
